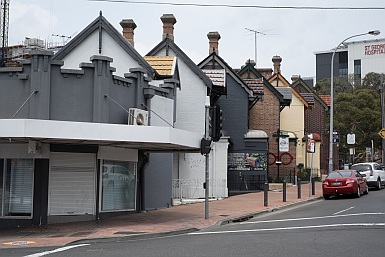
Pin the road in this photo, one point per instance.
(341, 227)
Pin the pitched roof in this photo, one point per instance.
(164, 65)
(217, 76)
(101, 24)
(168, 44)
(256, 85)
(326, 99)
(219, 60)
(280, 77)
(309, 97)
(310, 90)
(286, 93)
(250, 69)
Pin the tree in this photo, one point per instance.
(340, 85)
(359, 113)
(373, 80)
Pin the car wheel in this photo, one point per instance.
(366, 190)
(327, 197)
(379, 184)
(358, 192)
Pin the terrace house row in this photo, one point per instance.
(97, 130)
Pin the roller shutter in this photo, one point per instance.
(72, 184)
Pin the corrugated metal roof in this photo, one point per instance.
(255, 84)
(217, 76)
(164, 65)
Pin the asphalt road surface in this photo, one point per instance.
(342, 227)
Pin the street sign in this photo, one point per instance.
(310, 145)
(351, 139)
(382, 133)
(283, 144)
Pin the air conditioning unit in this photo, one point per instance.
(137, 117)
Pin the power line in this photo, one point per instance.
(241, 6)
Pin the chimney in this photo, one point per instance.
(168, 26)
(251, 62)
(294, 78)
(128, 26)
(277, 64)
(213, 42)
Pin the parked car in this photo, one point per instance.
(344, 182)
(375, 174)
(116, 173)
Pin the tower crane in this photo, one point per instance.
(4, 22)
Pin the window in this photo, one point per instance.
(357, 71)
(16, 187)
(343, 64)
(118, 186)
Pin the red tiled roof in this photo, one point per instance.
(326, 99)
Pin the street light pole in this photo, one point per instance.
(374, 33)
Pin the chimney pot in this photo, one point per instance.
(213, 42)
(277, 63)
(295, 78)
(128, 26)
(168, 26)
(251, 62)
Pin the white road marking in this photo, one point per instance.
(344, 210)
(312, 218)
(291, 228)
(55, 251)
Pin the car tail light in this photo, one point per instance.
(348, 181)
(325, 182)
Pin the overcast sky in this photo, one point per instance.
(293, 34)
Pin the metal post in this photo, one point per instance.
(265, 192)
(382, 116)
(313, 187)
(207, 157)
(299, 187)
(374, 33)
(293, 179)
(284, 190)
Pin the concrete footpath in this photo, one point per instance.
(173, 220)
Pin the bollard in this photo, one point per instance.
(313, 187)
(299, 187)
(265, 192)
(284, 190)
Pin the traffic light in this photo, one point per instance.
(216, 123)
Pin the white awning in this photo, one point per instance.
(152, 138)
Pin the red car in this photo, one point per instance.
(343, 182)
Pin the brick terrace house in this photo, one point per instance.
(265, 112)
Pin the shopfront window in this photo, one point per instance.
(16, 187)
(118, 185)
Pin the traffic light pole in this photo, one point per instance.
(207, 156)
